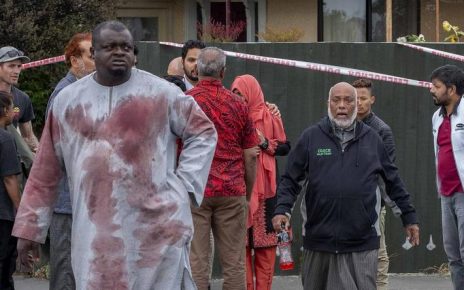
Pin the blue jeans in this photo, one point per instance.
(452, 218)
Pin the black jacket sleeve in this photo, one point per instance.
(282, 149)
(387, 137)
(395, 187)
(289, 186)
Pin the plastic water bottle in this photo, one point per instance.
(285, 250)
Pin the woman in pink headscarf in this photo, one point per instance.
(261, 238)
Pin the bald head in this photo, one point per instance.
(211, 63)
(342, 86)
(342, 104)
(175, 67)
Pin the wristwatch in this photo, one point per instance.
(264, 145)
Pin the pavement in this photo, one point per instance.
(397, 282)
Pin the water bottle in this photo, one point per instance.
(285, 250)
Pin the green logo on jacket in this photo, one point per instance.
(324, 152)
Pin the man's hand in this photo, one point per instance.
(412, 231)
(28, 252)
(273, 109)
(28, 135)
(278, 220)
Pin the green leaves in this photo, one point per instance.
(454, 32)
(42, 28)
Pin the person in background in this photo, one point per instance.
(11, 61)
(190, 52)
(231, 177)
(175, 73)
(9, 193)
(80, 63)
(261, 237)
(448, 139)
(175, 67)
(365, 101)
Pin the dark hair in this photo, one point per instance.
(362, 83)
(73, 49)
(112, 24)
(450, 75)
(177, 80)
(6, 99)
(191, 44)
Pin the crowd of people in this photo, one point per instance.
(138, 179)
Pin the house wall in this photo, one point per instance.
(301, 14)
(170, 15)
(278, 15)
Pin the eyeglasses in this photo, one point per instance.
(13, 53)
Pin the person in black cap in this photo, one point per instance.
(11, 60)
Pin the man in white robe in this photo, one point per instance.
(114, 133)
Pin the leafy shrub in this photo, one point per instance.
(411, 38)
(454, 32)
(41, 28)
(288, 35)
(215, 31)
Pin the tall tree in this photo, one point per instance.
(41, 28)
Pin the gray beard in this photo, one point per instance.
(343, 124)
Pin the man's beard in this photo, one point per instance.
(343, 123)
(190, 76)
(437, 102)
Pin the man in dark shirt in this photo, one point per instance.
(231, 177)
(11, 60)
(448, 136)
(9, 194)
(365, 101)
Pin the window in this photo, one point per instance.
(378, 22)
(217, 13)
(406, 18)
(343, 20)
(357, 20)
(142, 28)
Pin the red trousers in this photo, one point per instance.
(262, 267)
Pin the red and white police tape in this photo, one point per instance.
(307, 65)
(44, 61)
(437, 52)
(323, 68)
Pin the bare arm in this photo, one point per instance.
(250, 156)
(12, 187)
(28, 135)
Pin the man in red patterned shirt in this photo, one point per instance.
(230, 181)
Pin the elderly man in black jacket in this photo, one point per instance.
(342, 159)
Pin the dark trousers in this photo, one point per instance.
(8, 255)
(61, 273)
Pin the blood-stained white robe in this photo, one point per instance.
(132, 224)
